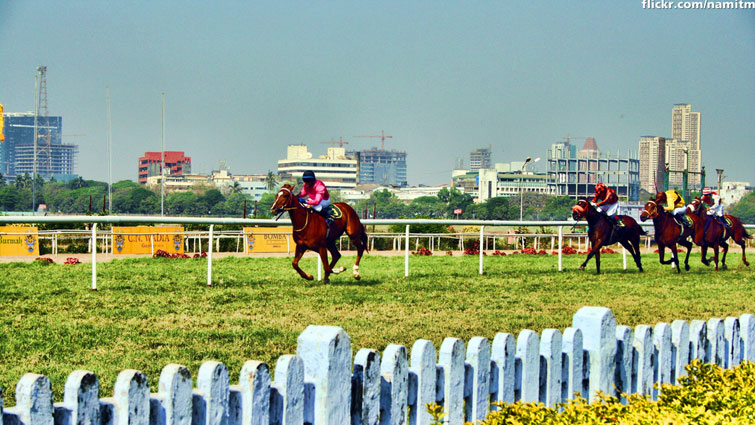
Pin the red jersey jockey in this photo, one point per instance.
(716, 209)
(606, 201)
(315, 195)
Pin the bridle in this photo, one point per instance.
(290, 208)
(655, 207)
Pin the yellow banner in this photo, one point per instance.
(269, 239)
(25, 241)
(147, 240)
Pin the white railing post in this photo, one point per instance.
(209, 257)
(94, 256)
(319, 267)
(482, 252)
(624, 254)
(406, 253)
(560, 246)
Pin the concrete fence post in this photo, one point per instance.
(175, 393)
(551, 371)
(478, 359)
(731, 342)
(326, 353)
(747, 336)
(81, 400)
(644, 359)
(287, 392)
(254, 384)
(502, 355)
(624, 356)
(422, 368)
(663, 360)
(680, 349)
(131, 403)
(598, 326)
(572, 367)
(451, 360)
(394, 385)
(698, 340)
(528, 366)
(365, 388)
(33, 400)
(212, 394)
(715, 349)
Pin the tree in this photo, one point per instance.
(745, 209)
(235, 188)
(271, 182)
(557, 208)
(429, 206)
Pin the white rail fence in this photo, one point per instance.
(95, 220)
(321, 385)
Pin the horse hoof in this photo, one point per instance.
(338, 270)
(326, 281)
(581, 267)
(308, 277)
(357, 277)
(747, 264)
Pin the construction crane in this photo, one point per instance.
(340, 142)
(382, 139)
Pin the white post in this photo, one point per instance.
(560, 246)
(319, 267)
(406, 253)
(624, 254)
(152, 244)
(94, 257)
(482, 252)
(209, 257)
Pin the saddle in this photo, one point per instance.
(684, 221)
(332, 212)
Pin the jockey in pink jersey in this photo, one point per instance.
(315, 195)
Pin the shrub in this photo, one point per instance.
(422, 251)
(707, 395)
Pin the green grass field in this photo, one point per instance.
(151, 312)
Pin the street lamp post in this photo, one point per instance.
(521, 192)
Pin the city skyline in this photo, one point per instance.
(244, 81)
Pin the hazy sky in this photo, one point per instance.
(243, 79)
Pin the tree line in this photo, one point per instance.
(82, 196)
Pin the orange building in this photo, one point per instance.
(176, 162)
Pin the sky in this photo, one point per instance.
(245, 79)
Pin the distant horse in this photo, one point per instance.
(736, 232)
(668, 232)
(311, 232)
(602, 233)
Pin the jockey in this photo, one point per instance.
(606, 201)
(315, 195)
(675, 203)
(716, 209)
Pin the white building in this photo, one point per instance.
(335, 169)
(733, 192)
(652, 163)
(685, 126)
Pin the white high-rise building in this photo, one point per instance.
(685, 127)
(652, 163)
(335, 169)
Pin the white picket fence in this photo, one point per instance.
(320, 384)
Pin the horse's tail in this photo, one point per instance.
(363, 238)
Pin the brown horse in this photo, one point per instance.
(668, 232)
(311, 232)
(602, 233)
(736, 232)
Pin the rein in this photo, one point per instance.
(306, 222)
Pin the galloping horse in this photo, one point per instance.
(668, 232)
(602, 233)
(311, 232)
(736, 232)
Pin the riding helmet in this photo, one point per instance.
(308, 176)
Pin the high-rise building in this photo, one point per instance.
(576, 175)
(176, 162)
(652, 163)
(480, 158)
(381, 167)
(335, 169)
(53, 158)
(685, 127)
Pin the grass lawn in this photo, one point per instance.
(148, 313)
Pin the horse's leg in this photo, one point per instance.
(300, 250)
(675, 256)
(726, 250)
(335, 255)
(356, 239)
(741, 243)
(634, 241)
(715, 254)
(687, 245)
(323, 251)
(704, 254)
(589, 255)
(662, 254)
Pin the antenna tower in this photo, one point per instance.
(44, 157)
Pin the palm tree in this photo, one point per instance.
(235, 188)
(23, 182)
(271, 182)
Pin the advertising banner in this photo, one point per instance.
(268, 239)
(147, 240)
(18, 241)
